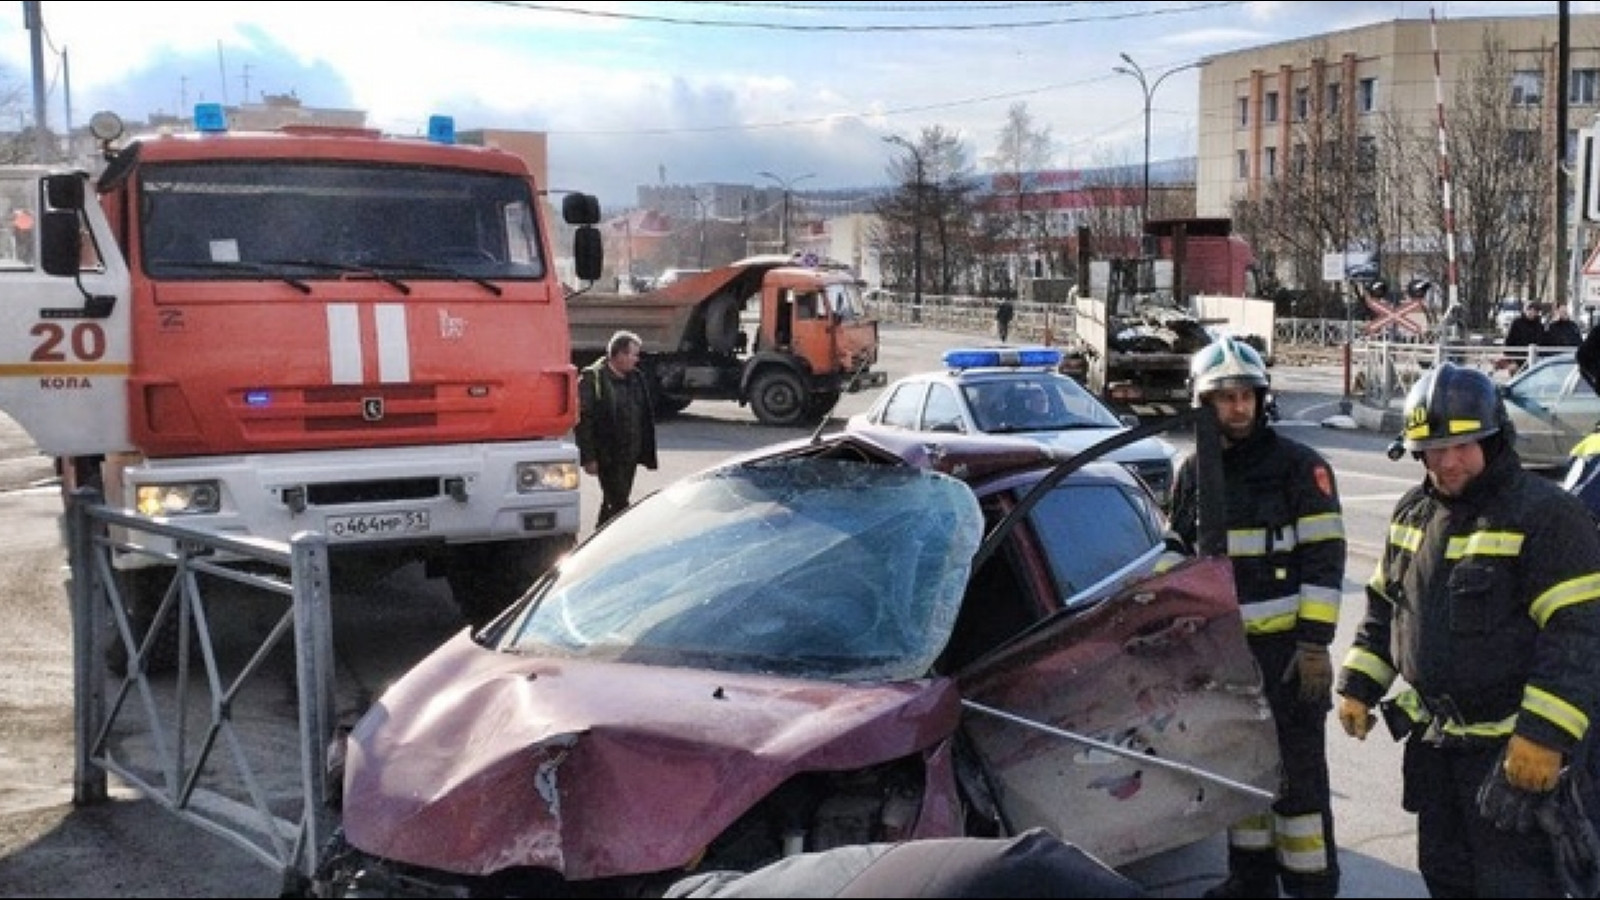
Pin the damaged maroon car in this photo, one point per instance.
(838, 641)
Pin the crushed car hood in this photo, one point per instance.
(478, 761)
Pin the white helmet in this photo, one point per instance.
(1227, 362)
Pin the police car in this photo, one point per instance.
(1015, 391)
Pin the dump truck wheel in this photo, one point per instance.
(670, 404)
(779, 398)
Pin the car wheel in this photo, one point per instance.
(779, 398)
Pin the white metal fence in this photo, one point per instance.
(1381, 369)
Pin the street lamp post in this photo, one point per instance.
(916, 227)
(702, 205)
(1133, 70)
(788, 186)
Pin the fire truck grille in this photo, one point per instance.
(372, 491)
(349, 408)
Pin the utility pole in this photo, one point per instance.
(788, 185)
(916, 227)
(1563, 55)
(33, 20)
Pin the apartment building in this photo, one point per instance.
(1251, 100)
(1255, 104)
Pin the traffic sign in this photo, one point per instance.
(1396, 316)
(1591, 266)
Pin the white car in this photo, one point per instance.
(1506, 313)
(1018, 391)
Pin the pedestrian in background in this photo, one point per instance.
(1003, 313)
(1527, 330)
(1483, 603)
(1561, 331)
(616, 430)
(1286, 541)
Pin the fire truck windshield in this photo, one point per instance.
(308, 221)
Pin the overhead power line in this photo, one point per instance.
(873, 29)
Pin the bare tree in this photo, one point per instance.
(932, 209)
(15, 105)
(1022, 150)
(1499, 143)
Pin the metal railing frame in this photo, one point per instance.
(182, 767)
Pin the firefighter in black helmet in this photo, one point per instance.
(1484, 604)
(1286, 540)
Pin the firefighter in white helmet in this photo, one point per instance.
(1286, 538)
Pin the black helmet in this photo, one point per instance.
(1226, 363)
(1417, 288)
(1451, 405)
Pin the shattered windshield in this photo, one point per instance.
(307, 221)
(810, 568)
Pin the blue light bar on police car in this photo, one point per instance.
(993, 357)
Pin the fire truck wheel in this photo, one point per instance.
(779, 398)
(142, 591)
(484, 579)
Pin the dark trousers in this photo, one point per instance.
(1459, 852)
(1304, 792)
(616, 486)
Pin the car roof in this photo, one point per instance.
(980, 460)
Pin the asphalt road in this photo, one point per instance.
(131, 847)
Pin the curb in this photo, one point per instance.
(1381, 419)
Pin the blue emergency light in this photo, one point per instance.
(209, 118)
(998, 357)
(442, 129)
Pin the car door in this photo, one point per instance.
(1096, 719)
(1574, 414)
(1532, 401)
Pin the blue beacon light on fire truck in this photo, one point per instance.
(1002, 357)
(209, 118)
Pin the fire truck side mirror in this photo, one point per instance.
(64, 192)
(60, 237)
(588, 253)
(60, 242)
(580, 209)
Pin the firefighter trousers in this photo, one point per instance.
(1459, 852)
(1293, 844)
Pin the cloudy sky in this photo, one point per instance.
(680, 93)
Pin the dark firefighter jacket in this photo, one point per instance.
(1485, 605)
(1285, 534)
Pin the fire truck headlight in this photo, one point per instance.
(182, 499)
(534, 476)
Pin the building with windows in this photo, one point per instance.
(1251, 101)
(1258, 105)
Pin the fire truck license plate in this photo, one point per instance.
(377, 525)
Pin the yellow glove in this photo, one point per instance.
(1356, 717)
(1532, 766)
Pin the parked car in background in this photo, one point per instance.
(671, 276)
(833, 641)
(1015, 391)
(1505, 313)
(1552, 409)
